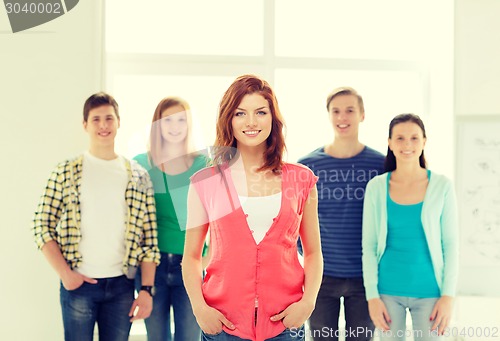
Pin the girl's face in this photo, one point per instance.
(174, 125)
(407, 142)
(345, 116)
(252, 121)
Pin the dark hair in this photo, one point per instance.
(97, 100)
(390, 159)
(345, 91)
(246, 85)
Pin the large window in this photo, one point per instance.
(219, 27)
(397, 53)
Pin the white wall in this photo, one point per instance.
(477, 56)
(477, 92)
(46, 74)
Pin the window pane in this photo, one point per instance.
(216, 27)
(302, 98)
(138, 97)
(362, 29)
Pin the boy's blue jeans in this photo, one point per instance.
(324, 320)
(108, 303)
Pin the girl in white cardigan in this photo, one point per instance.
(410, 239)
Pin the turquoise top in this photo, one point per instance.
(406, 266)
(171, 202)
(440, 224)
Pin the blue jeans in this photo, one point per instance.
(420, 310)
(108, 303)
(324, 321)
(170, 292)
(287, 335)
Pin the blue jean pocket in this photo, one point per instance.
(207, 336)
(82, 286)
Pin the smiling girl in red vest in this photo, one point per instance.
(255, 206)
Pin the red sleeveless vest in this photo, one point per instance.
(242, 274)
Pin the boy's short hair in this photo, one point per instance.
(97, 100)
(344, 90)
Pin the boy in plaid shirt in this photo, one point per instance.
(95, 224)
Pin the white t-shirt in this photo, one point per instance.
(103, 216)
(260, 213)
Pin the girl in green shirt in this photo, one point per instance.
(170, 162)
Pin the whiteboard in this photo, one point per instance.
(478, 193)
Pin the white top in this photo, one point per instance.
(260, 212)
(103, 214)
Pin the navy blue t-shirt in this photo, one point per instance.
(341, 190)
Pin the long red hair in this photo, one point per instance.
(246, 85)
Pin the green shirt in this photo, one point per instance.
(171, 202)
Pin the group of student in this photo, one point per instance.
(216, 236)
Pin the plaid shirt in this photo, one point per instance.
(58, 215)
